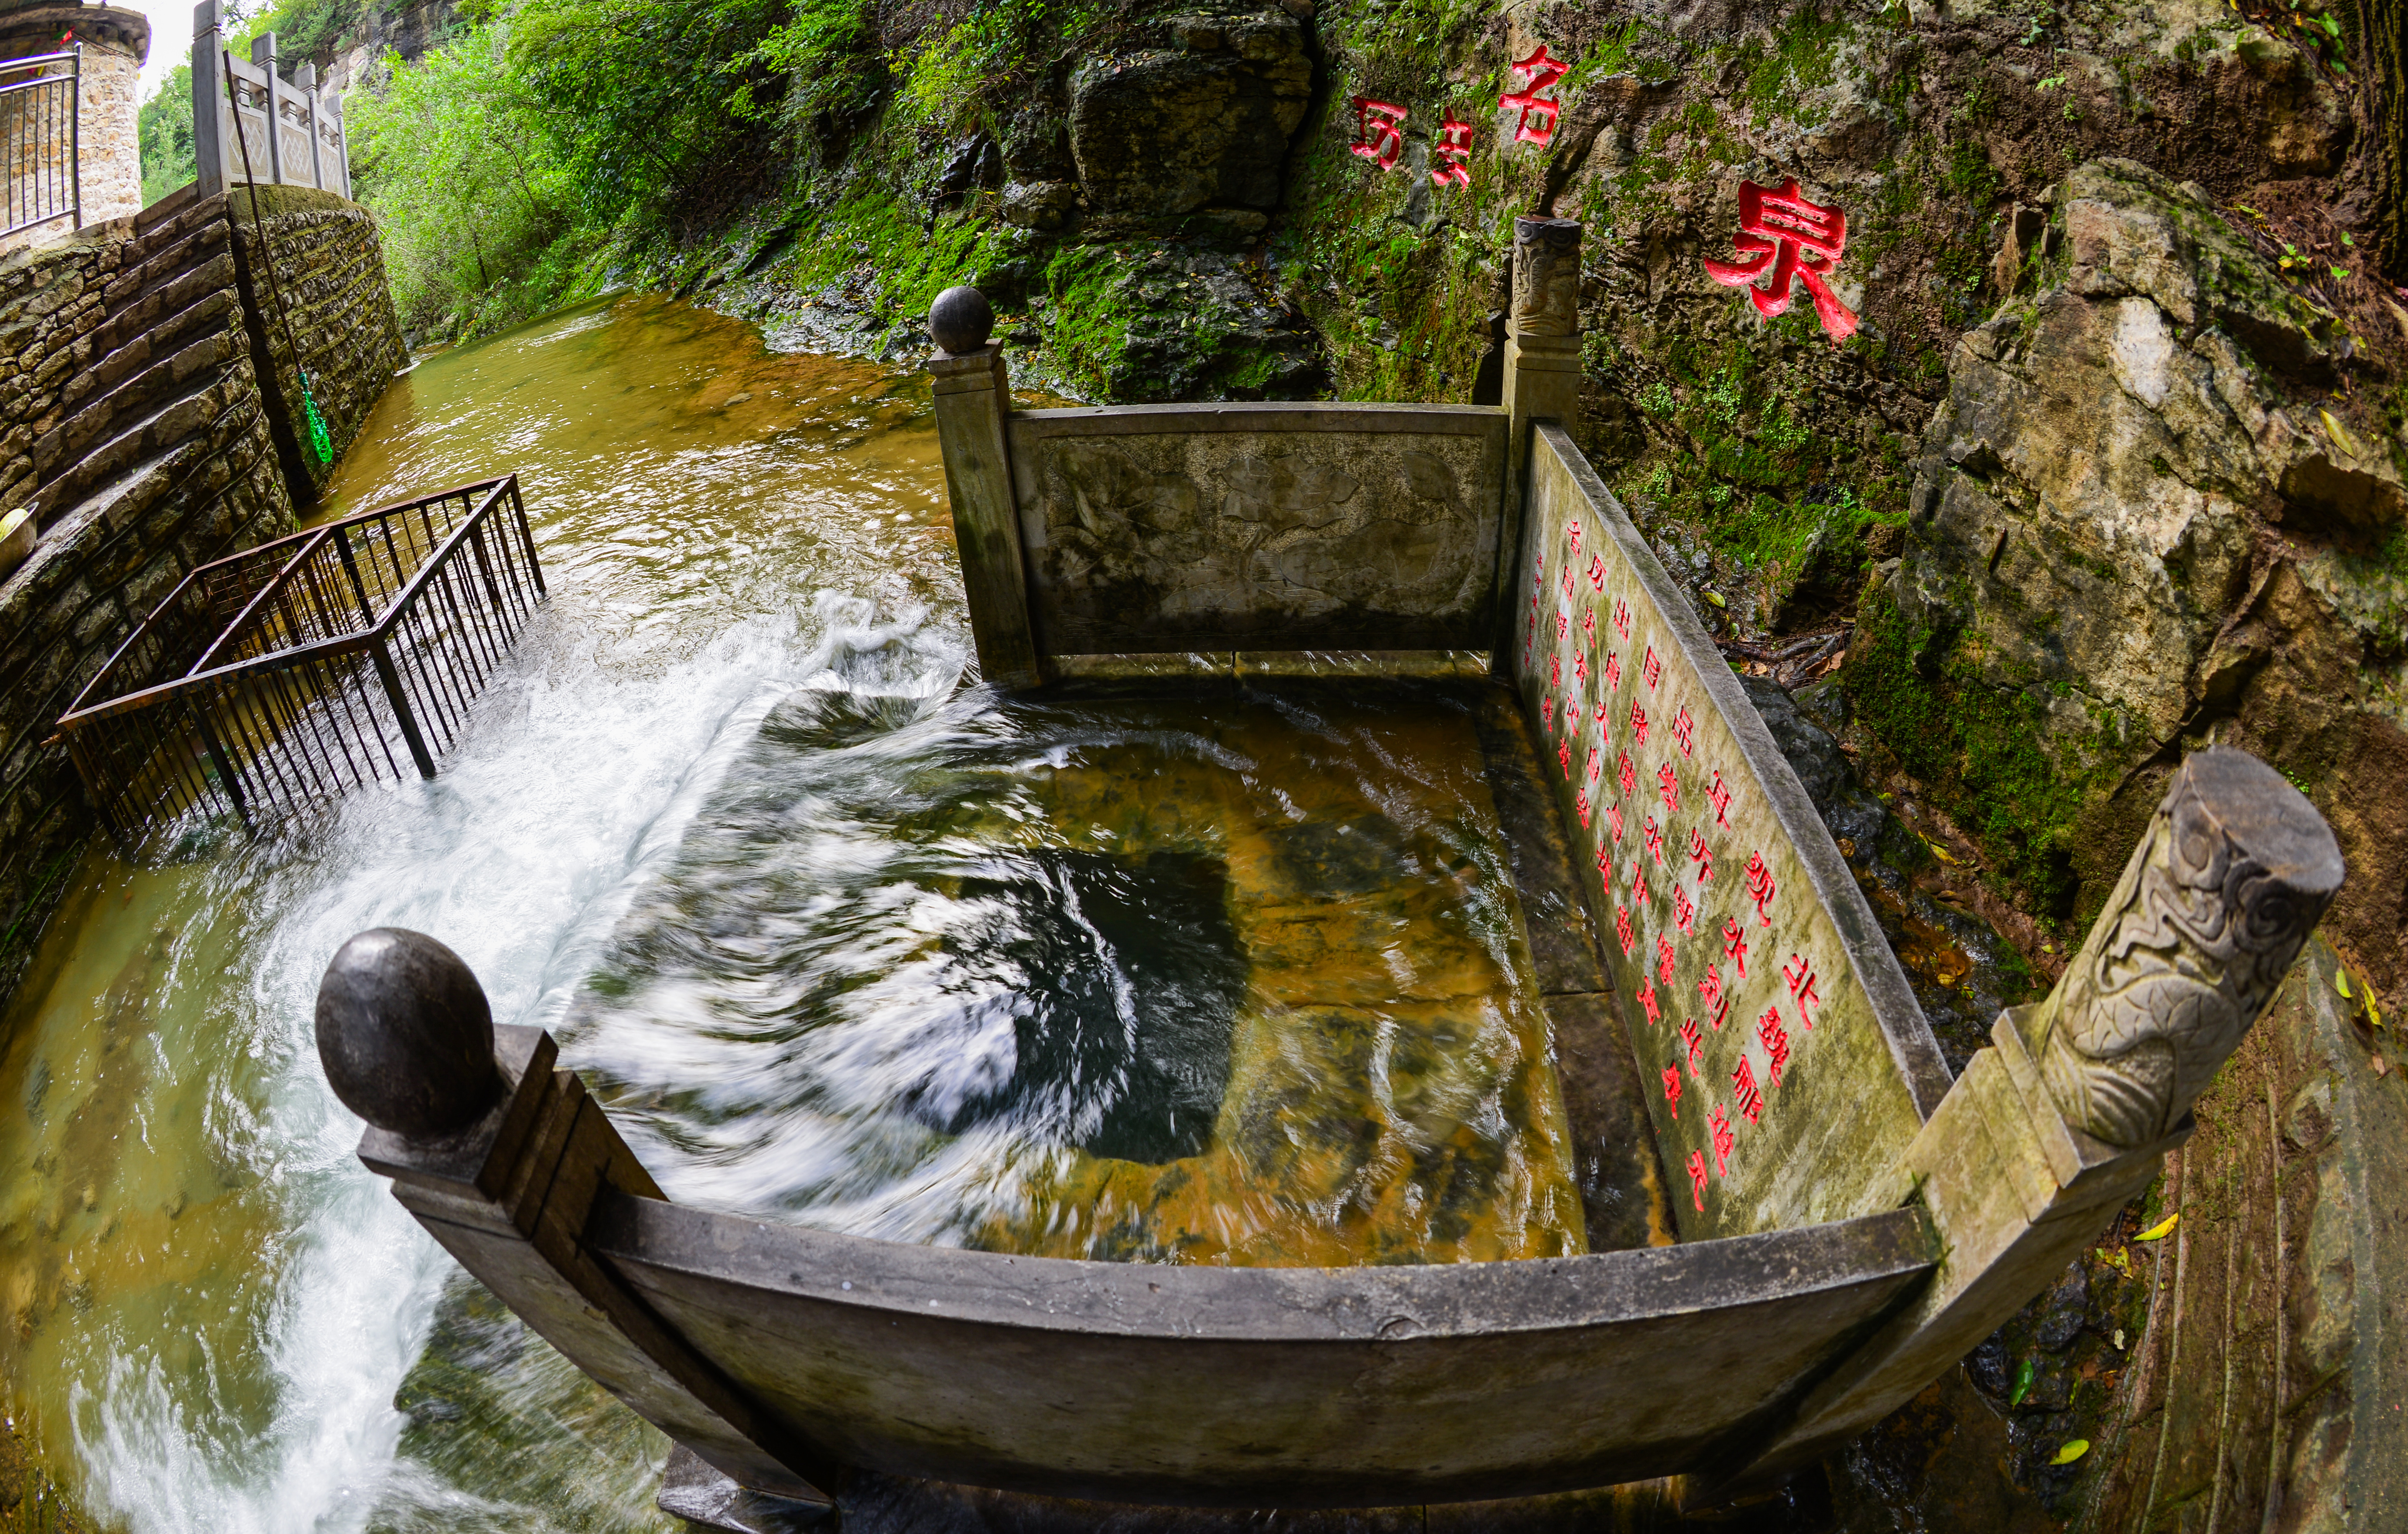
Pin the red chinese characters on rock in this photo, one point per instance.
(1759, 885)
(1622, 930)
(1652, 668)
(1664, 958)
(1537, 124)
(1775, 1039)
(1647, 1000)
(1716, 998)
(1626, 774)
(1672, 1088)
(1378, 132)
(1703, 856)
(1685, 730)
(1685, 912)
(1670, 786)
(1725, 1139)
(1697, 1043)
(1781, 234)
(1613, 822)
(1751, 1101)
(1799, 972)
(1452, 149)
(1735, 946)
(1639, 724)
(1697, 1179)
(1720, 798)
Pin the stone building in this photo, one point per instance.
(115, 42)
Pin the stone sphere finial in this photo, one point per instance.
(404, 1034)
(960, 321)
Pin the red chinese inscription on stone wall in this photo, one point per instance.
(1655, 768)
(1537, 124)
(1787, 238)
(1379, 131)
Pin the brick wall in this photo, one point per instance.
(133, 422)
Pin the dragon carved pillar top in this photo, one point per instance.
(2235, 871)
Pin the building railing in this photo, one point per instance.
(310, 665)
(292, 134)
(39, 145)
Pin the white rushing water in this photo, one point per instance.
(223, 1354)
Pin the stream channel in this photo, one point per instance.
(839, 938)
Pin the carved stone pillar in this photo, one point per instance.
(2068, 1117)
(973, 397)
(1542, 373)
(501, 1157)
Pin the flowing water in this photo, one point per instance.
(1147, 975)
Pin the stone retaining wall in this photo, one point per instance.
(133, 428)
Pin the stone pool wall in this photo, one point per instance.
(137, 443)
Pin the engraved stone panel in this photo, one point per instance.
(1268, 526)
(1787, 1062)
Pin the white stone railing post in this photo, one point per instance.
(263, 53)
(212, 118)
(305, 83)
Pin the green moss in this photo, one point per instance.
(1975, 744)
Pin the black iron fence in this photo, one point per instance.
(310, 665)
(39, 97)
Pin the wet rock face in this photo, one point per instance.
(1201, 124)
(2136, 518)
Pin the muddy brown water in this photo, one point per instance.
(839, 939)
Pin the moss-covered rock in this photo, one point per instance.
(2140, 525)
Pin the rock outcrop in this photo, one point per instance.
(2139, 525)
(1198, 128)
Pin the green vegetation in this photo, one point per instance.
(1975, 743)
(474, 198)
(1740, 459)
(164, 128)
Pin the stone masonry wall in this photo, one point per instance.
(133, 422)
(329, 268)
(108, 150)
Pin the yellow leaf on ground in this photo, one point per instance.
(2074, 1449)
(2340, 435)
(2341, 981)
(2160, 1230)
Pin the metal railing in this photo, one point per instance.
(310, 665)
(39, 143)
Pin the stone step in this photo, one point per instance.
(185, 372)
(187, 416)
(215, 313)
(173, 295)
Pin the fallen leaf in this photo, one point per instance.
(1940, 853)
(2341, 981)
(2074, 1449)
(2023, 1383)
(2380, 1069)
(1717, 599)
(2159, 1231)
(2348, 443)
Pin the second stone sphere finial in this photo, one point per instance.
(404, 1034)
(960, 321)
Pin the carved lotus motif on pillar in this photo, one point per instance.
(2235, 870)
